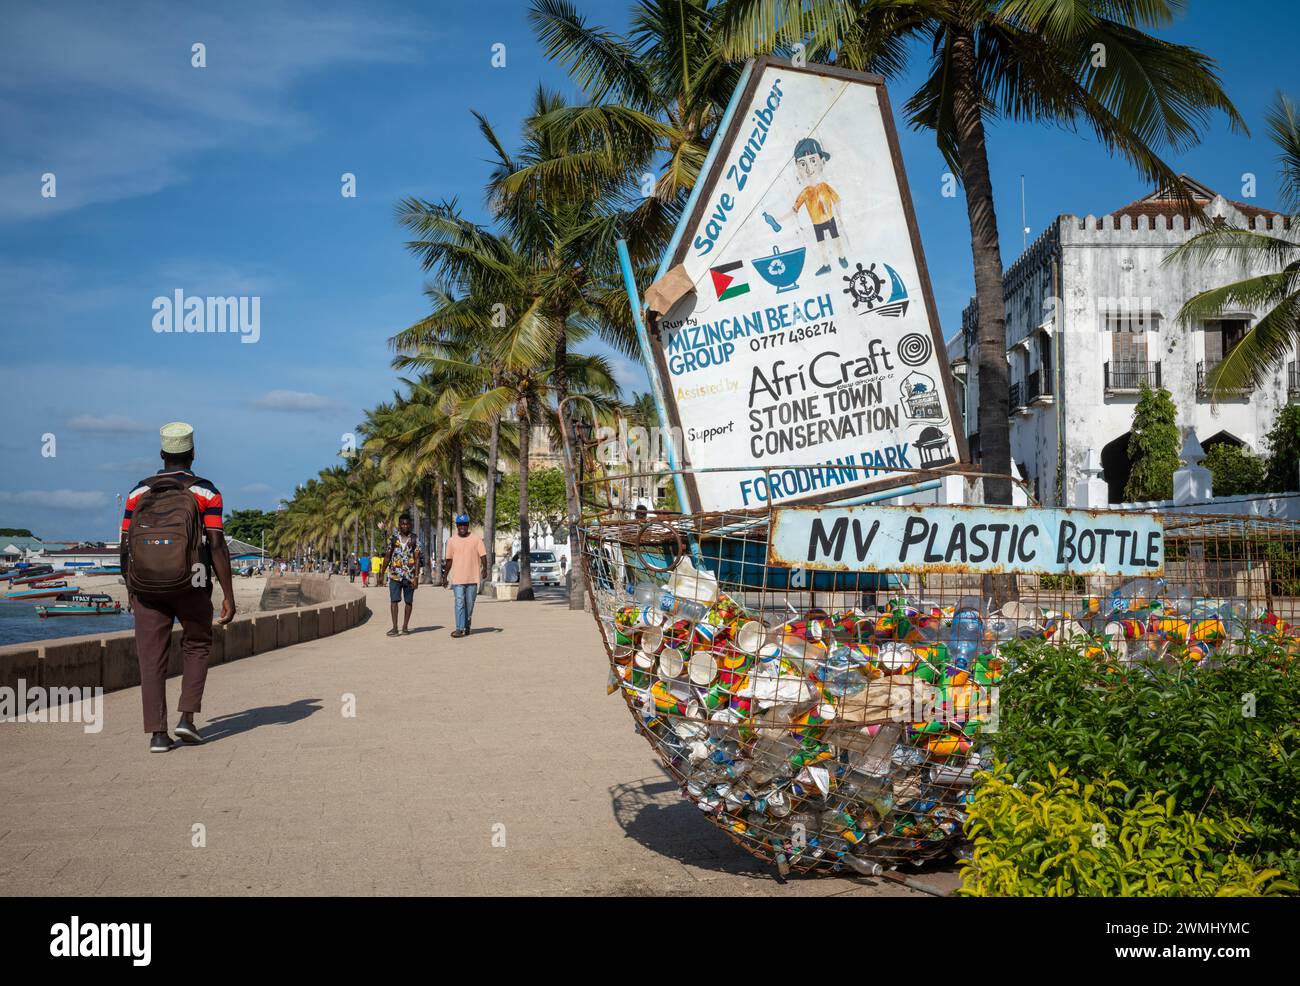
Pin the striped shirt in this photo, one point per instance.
(208, 496)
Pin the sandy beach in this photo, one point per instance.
(248, 592)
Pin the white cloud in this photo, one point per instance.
(105, 97)
(294, 401)
(108, 424)
(55, 499)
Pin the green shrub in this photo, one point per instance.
(1219, 738)
(1236, 472)
(1069, 837)
(1283, 442)
(1153, 445)
(1063, 583)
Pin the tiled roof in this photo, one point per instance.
(1161, 203)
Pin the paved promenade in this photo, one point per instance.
(490, 765)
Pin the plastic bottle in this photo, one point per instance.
(966, 634)
(1136, 594)
(839, 673)
(646, 594)
(661, 598)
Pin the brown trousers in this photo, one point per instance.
(153, 630)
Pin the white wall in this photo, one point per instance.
(1104, 265)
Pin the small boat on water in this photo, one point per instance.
(33, 579)
(27, 572)
(84, 597)
(79, 609)
(42, 592)
(101, 570)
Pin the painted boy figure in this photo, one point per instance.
(820, 201)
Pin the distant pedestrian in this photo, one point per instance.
(353, 567)
(376, 567)
(365, 571)
(172, 542)
(402, 563)
(464, 567)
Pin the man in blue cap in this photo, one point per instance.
(464, 566)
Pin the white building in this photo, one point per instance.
(1091, 314)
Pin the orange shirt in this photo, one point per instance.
(464, 554)
(819, 200)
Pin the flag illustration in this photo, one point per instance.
(725, 284)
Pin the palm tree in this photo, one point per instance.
(488, 319)
(1273, 338)
(1069, 62)
(565, 212)
(552, 263)
(657, 94)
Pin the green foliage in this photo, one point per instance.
(1236, 472)
(16, 532)
(546, 502)
(1067, 837)
(1063, 583)
(1222, 737)
(248, 525)
(1283, 443)
(668, 500)
(1153, 447)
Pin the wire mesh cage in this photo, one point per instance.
(837, 719)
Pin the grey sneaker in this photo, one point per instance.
(160, 743)
(188, 733)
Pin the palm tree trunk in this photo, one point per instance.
(459, 464)
(426, 526)
(994, 396)
(572, 496)
(437, 538)
(490, 498)
(994, 392)
(525, 568)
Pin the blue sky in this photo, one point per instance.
(225, 181)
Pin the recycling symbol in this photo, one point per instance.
(865, 286)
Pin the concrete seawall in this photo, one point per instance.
(109, 660)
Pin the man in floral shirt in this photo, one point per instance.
(402, 563)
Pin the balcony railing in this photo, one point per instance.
(1017, 398)
(1203, 371)
(1292, 380)
(1123, 376)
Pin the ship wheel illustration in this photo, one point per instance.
(865, 286)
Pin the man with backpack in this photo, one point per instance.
(172, 541)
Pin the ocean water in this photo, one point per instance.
(19, 623)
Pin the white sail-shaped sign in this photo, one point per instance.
(810, 336)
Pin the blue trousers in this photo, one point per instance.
(465, 596)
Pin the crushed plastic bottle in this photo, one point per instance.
(1137, 594)
(966, 633)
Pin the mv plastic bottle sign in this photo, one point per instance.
(809, 338)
